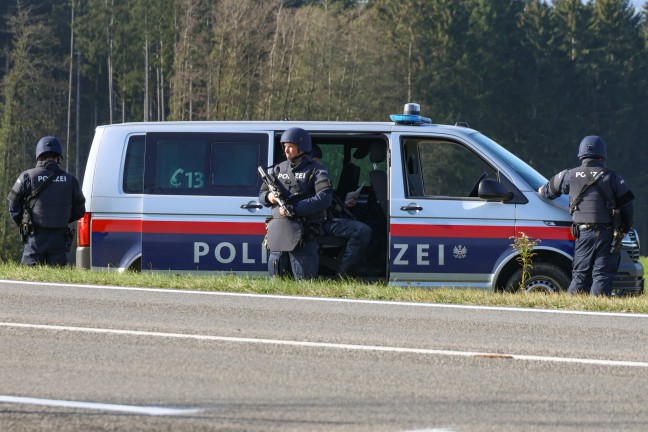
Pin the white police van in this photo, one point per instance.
(444, 202)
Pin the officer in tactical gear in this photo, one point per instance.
(305, 189)
(341, 222)
(42, 202)
(600, 203)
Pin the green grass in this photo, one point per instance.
(326, 288)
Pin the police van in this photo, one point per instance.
(444, 203)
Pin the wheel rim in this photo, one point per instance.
(542, 284)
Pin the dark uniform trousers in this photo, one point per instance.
(46, 247)
(593, 265)
(358, 235)
(302, 262)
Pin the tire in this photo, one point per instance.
(136, 266)
(543, 277)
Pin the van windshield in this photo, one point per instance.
(530, 175)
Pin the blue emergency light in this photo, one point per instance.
(411, 116)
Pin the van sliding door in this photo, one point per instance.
(201, 210)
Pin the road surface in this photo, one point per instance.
(99, 358)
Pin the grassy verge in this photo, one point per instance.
(331, 289)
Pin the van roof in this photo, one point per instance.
(315, 126)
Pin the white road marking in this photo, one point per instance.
(333, 300)
(326, 345)
(430, 430)
(147, 410)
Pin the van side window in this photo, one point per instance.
(223, 164)
(234, 165)
(442, 168)
(180, 164)
(133, 180)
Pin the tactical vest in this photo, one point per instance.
(52, 207)
(300, 185)
(594, 208)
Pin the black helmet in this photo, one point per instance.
(49, 144)
(299, 137)
(316, 152)
(591, 147)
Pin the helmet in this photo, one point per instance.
(316, 152)
(592, 146)
(49, 144)
(299, 137)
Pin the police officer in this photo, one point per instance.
(341, 222)
(306, 188)
(593, 192)
(44, 218)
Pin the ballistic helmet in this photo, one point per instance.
(592, 147)
(316, 152)
(48, 144)
(299, 137)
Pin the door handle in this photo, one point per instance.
(251, 206)
(411, 207)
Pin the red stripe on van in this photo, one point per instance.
(478, 231)
(456, 231)
(175, 227)
(548, 233)
(116, 225)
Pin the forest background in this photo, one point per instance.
(535, 76)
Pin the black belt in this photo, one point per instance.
(593, 226)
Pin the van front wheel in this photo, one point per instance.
(543, 277)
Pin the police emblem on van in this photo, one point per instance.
(460, 252)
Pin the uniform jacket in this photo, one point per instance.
(308, 190)
(60, 203)
(594, 208)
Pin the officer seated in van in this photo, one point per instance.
(340, 222)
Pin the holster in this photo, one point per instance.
(575, 231)
(312, 230)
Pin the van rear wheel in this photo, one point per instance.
(543, 277)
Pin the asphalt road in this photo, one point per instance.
(93, 358)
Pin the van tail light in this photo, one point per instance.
(83, 230)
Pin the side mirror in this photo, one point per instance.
(492, 190)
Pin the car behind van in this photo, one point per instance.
(444, 203)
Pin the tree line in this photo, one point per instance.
(536, 76)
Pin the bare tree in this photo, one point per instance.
(29, 96)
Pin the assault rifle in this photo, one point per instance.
(26, 227)
(272, 187)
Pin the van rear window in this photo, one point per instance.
(195, 164)
(133, 180)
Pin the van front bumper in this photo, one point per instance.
(630, 276)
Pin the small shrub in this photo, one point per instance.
(524, 245)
